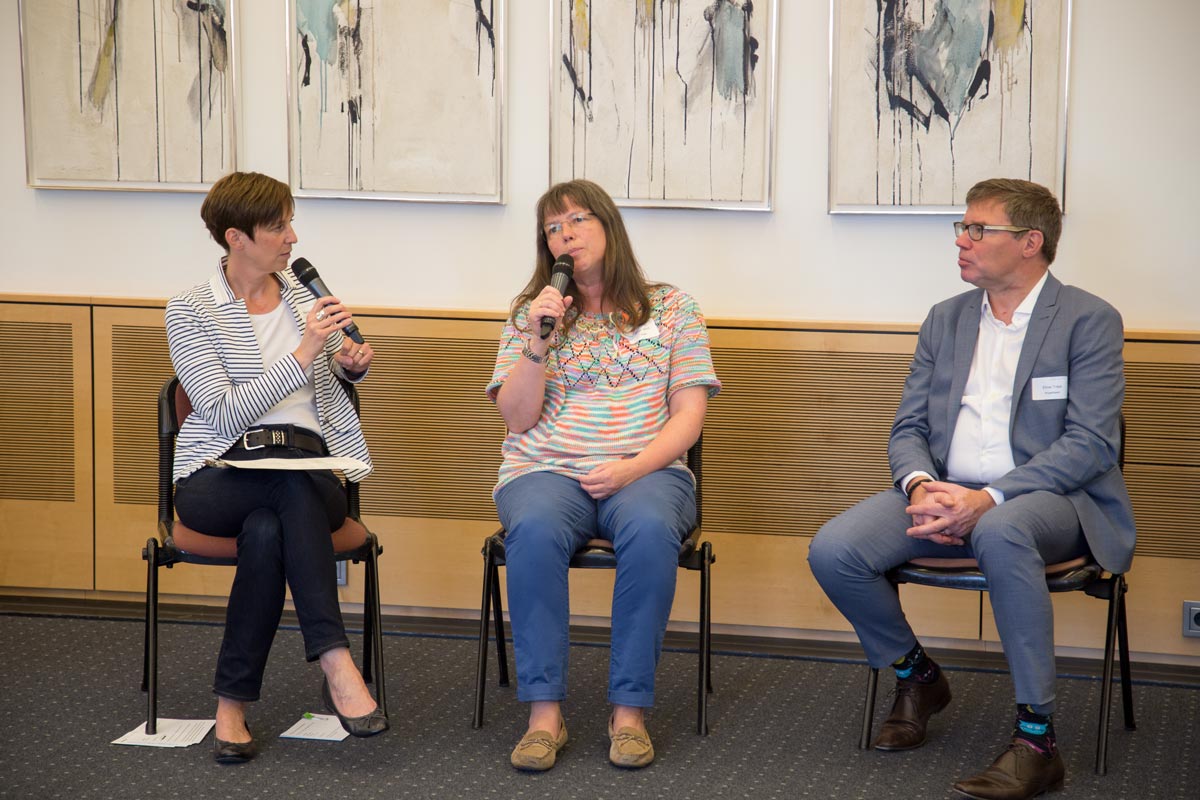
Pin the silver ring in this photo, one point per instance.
(320, 315)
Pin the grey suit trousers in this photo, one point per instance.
(1012, 542)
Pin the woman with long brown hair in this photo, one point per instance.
(600, 414)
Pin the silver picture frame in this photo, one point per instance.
(404, 101)
(928, 98)
(143, 100)
(666, 104)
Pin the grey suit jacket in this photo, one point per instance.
(1068, 445)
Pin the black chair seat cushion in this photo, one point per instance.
(963, 573)
(599, 553)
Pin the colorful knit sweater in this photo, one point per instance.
(607, 390)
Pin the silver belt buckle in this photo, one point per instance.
(246, 440)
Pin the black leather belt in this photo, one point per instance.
(280, 436)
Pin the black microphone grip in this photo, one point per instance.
(560, 278)
(306, 273)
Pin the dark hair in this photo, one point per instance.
(1028, 205)
(244, 200)
(625, 285)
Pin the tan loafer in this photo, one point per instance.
(537, 750)
(630, 748)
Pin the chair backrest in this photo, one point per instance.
(695, 462)
(173, 408)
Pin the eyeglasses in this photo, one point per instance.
(975, 230)
(555, 229)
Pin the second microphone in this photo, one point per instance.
(560, 278)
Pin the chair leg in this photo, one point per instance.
(498, 618)
(375, 614)
(489, 575)
(1114, 607)
(150, 650)
(1123, 647)
(864, 742)
(368, 656)
(704, 678)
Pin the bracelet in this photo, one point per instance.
(527, 351)
(912, 487)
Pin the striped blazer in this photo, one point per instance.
(216, 356)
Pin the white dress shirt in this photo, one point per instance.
(981, 450)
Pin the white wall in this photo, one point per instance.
(1130, 233)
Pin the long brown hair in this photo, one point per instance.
(625, 285)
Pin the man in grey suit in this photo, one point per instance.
(1004, 449)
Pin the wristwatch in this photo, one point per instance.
(527, 351)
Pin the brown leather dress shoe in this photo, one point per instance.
(1019, 772)
(904, 729)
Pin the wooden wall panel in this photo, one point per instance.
(1162, 452)
(434, 436)
(46, 447)
(131, 365)
(798, 434)
(1157, 589)
(799, 431)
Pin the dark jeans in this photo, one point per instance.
(282, 520)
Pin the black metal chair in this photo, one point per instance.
(1081, 574)
(178, 544)
(598, 554)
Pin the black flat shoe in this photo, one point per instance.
(364, 726)
(234, 752)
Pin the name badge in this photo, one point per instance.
(1054, 388)
(647, 331)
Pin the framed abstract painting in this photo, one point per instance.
(928, 97)
(396, 100)
(665, 102)
(141, 99)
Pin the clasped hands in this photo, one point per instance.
(945, 513)
(609, 478)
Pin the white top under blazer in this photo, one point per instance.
(217, 358)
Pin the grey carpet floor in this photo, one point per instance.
(780, 727)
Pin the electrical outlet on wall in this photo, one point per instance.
(1191, 618)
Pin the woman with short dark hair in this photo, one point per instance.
(259, 358)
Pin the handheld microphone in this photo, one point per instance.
(306, 273)
(564, 268)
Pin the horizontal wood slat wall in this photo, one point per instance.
(37, 414)
(434, 436)
(1162, 455)
(131, 365)
(46, 531)
(798, 434)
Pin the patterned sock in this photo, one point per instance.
(1035, 729)
(917, 666)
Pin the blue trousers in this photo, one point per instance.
(282, 520)
(1013, 542)
(548, 517)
